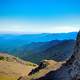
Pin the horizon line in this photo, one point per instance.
(38, 32)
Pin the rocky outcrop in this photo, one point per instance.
(22, 78)
(74, 61)
(47, 65)
(42, 65)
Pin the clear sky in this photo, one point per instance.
(39, 16)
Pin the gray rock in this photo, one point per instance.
(71, 70)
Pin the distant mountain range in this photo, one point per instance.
(39, 37)
(36, 47)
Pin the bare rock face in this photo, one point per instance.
(75, 60)
(71, 69)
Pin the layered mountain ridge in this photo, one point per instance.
(27, 45)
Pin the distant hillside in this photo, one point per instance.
(11, 68)
(59, 52)
(43, 50)
(27, 45)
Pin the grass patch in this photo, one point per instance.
(31, 64)
(2, 58)
(5, 77)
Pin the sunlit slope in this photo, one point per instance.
(11, 68)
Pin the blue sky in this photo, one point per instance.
(39, 16)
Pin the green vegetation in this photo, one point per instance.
(2, 58)
(31, 64)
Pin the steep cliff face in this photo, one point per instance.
(71, 69)
(75, 60)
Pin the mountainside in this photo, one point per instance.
(11, 68)
(44, 50)
(34, 47)
(60, 52)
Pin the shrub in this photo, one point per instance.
(2, 58)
